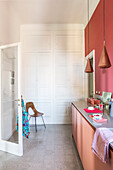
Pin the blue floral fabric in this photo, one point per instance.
(25, 121)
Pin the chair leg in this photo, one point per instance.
(43, 121)
(35, 125)
(29, 118)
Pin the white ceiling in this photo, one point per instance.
(51, 11)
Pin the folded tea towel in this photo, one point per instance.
(100, 146)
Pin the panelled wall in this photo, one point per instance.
(52, 66)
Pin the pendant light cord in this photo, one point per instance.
(88, 24)
(104, 20)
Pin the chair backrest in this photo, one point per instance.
(30, 105)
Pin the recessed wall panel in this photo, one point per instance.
(69, 43)
(37, 43)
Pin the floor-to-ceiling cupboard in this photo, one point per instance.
(52, 68)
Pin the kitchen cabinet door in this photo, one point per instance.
(79, 133)
(74, 120)
(87, 138)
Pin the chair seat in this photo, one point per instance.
(37, 114)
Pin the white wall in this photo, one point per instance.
(53, 68)
(4, 23)
(14, 13)
(92, 6)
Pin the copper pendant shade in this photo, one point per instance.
(89, 68)
(104, 59)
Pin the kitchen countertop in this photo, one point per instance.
(81, 104)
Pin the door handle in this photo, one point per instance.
(17, 100)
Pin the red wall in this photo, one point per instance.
(104, 77)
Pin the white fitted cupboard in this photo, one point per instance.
(53, 68)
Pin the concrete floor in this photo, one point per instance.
(48, 149)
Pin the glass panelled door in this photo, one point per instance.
(10, 99)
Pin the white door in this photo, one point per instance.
(11, 141)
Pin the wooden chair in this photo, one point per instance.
(36, 113)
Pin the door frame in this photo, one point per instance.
(6, 146)
(90, 55)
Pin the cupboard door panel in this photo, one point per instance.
(79, 134)
(73, 120)
(87, 137)
(74, 116)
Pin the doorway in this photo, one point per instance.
(89, 79)
(90, 82)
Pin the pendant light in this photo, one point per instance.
(104, 59)
(89, 68)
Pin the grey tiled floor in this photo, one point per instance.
(48, 149)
